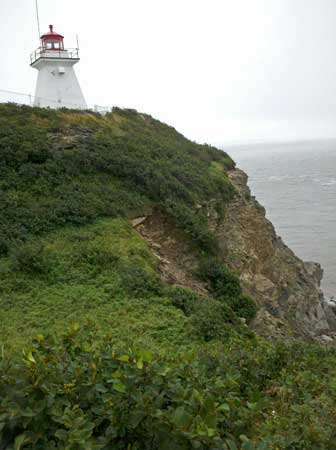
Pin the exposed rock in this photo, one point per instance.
(315, 270)
(239, 179)
(276, 328)
(156, 246)
(326, 339)
(329, 307)
(138, 221)
(264, 285)
(286, 289)
(164, 261)
(178, 261)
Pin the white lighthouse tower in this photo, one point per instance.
(57, 85)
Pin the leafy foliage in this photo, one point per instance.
(80, 393)
(30, 257)
(84, 396)
(210, 318)
(184, 299)
(213, 320)
(141, 283)
(225, 287)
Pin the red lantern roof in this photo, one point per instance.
(52, 35)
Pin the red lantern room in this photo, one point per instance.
(52, 41)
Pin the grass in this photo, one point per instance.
(82, 278)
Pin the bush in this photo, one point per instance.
(3, 247)
(195, 225)
(213, 320)
(139, 282)
(244, 306)
(95, 256)
(79, 393)
(225, 287)
(184, 299)
(223, 283)
(30, 257)
(80, 396)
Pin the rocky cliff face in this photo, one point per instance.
(286, 289)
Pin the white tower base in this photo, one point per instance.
(57, 85)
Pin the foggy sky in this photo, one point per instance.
(217, 70)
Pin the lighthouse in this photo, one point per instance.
(57, 85)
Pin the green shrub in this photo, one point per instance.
(195, 225)
(225, 287)
(212, 319)
(222, 282)
(184, 299)
(244, 306)
(78, 395)
(3, 247)
(30, 257)
(95, 256)
(139, 282)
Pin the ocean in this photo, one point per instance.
(296, 183)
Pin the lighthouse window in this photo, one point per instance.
(53, 45)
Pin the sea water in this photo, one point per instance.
(296, 183)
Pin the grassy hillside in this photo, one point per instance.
(61, 168)
(97, 351)
(102, 272)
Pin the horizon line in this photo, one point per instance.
(279, 141)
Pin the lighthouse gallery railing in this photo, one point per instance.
(41, 52)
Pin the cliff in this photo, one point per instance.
(69, 168)
(145, 300)
(287, 290)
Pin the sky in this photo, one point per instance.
(219, 71)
